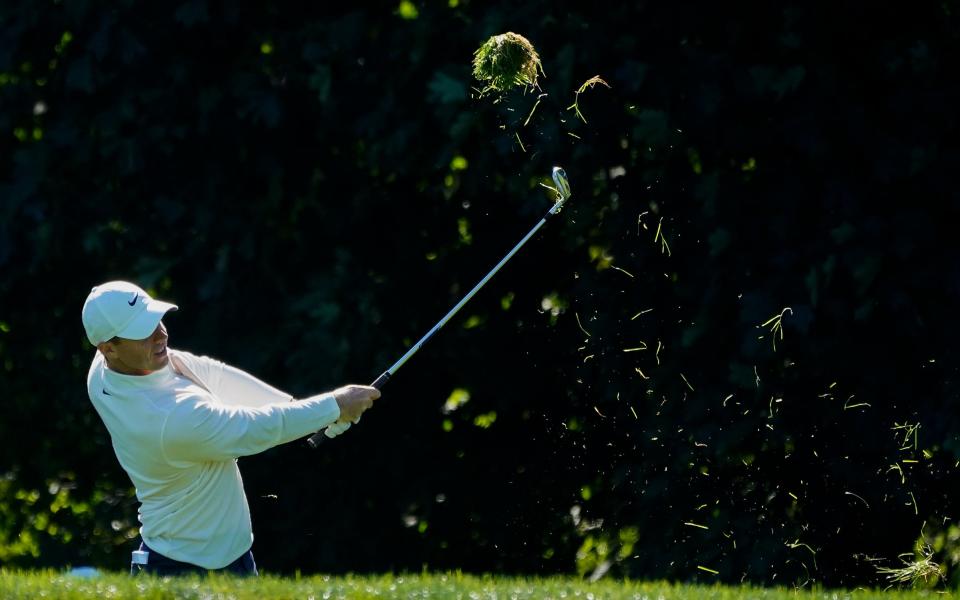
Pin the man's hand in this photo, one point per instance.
(337, 428)
(354, 400)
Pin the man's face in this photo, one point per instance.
(138, 357)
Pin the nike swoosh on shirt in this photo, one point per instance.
(106, 393)
(134, 301)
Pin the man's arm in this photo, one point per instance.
(231, 386)
(200, 429)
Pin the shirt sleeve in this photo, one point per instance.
(201, 429)
(232, 386)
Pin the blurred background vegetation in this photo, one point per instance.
(733, 357)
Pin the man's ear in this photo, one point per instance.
(106, 348)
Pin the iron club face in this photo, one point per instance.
(563, 185)
(563, 189)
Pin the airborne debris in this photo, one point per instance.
(519, 141)
(535, 105)
(899, 469)
(580, 324)
(920, 567)
(664, 246)
(576, 95)
(908, 430)
(505, 61)
(708, 570)
(858, 498)
(776, 325)
(640, 221)
(847, 405)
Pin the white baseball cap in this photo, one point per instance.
(121, 309)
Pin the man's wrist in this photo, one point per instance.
(329, 402)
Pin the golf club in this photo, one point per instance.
(563, 193)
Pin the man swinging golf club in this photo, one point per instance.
(178, 422)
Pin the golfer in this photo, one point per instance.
(178, 422)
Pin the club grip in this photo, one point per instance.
(318, 438)
(381, 381)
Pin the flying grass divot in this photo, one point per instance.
(506, 61)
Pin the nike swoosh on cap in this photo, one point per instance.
(134, 301)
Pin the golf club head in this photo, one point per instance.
(563, 186)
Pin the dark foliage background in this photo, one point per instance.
(315, 185)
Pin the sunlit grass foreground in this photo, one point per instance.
(49, 584)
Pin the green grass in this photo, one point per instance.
(505, 61)
(50, 584)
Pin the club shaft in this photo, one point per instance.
(563, 190)
(413, 349)
(318, 438)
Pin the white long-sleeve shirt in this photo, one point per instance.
(179, 443)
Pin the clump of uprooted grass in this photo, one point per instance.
(918, 570)
(505, 61)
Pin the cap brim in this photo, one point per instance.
(144, 324)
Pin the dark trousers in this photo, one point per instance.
(161, 566)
